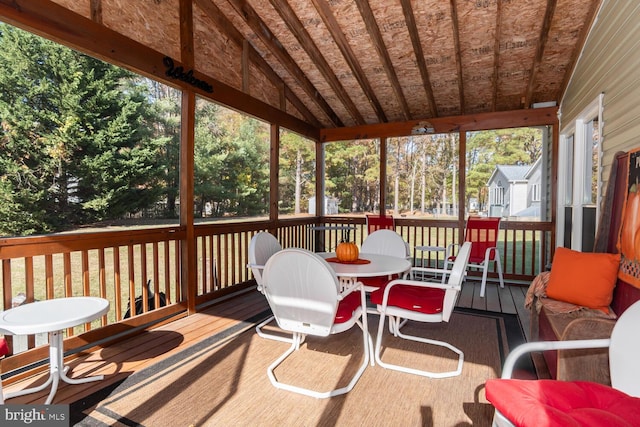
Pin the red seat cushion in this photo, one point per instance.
(347, 307)
(4, 348)
(375, 282)
(424, 300)
(562, 403)
(472, 259)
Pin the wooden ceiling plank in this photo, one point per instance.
(259, 27)
(323, 9)
(223, 23)
(495, 79)
(463, 123)
(456, 43)
(409, 18)
(297, 29)
(542, 41)
(377, 40)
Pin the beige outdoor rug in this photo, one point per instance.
(223, 381)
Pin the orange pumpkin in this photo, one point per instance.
(631, 223)
(347, 251)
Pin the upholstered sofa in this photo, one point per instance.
(550, 323)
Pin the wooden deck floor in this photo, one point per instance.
(120, 360)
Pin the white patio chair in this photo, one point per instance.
(553, 402)
(404, 299)
(262, 246)
(304, 295)
(383, 242)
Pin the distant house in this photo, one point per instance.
(534, 192)
(508, 187)
(330, 205)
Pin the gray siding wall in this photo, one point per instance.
(610, 64)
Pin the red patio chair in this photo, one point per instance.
(482, 232)
(380, 222)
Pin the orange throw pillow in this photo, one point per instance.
(583, 278)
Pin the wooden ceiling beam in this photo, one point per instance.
(323, 9)
(495, 77)
(297, 29)
(542, 42)
(262, 31)
(224, 25)
(409, 18)
(465, 123)
(377, 40)
(456, 43)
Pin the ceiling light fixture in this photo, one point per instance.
(423, 128)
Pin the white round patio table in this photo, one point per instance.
(380, 265)
(52, 316)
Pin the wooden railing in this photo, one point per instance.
(524, 247)
(117, 264)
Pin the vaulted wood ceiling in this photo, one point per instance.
(338, 63)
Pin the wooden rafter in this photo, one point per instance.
(376, 38)
(496, 57)
(407, 9)
(341, 41)
(542, 41)
(186, 33)
(297, 29)
(96, 11)
(225, 26)
(456, 43)
(251, 18)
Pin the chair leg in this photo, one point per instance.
(485, 270)
(271, 336)
(414, 371)
(297, 340)
(499, 268)
(500, 420)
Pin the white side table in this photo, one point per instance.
(52, 317)
(425, 249)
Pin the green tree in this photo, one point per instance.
(75, 139)
(231, 163)
(297, 168)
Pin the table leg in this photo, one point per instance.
(57, 371)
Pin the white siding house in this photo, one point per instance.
(508, 187)
(534, 193)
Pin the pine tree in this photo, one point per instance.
(75, 141)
